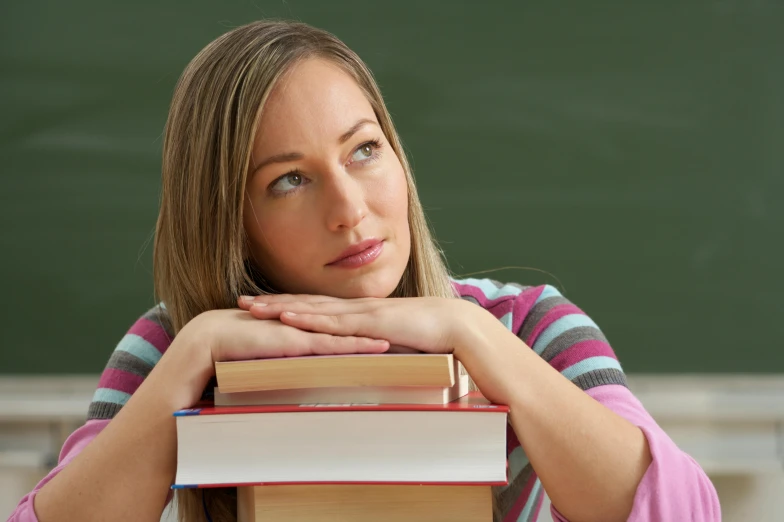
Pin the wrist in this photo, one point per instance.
(495, 358)
(470, 325)
(187, 366)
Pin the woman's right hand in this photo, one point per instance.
(233, 335)
(237, 335)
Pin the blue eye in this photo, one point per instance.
(287, 183)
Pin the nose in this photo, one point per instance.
(346, 204)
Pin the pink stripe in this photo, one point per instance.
(120, 380)
(151, 332)
(529, 295)
(479, 295)
(550, 317)
(522, 306)
(519, 504)
(580, 351)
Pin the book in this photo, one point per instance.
(348, 395)
(455, 443)
(362, 502)
(321, 371)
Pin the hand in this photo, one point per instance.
(427, 324)
(231, 335)
(236, 335)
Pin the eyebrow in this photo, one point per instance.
(294, 156)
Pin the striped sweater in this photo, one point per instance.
(673, 488)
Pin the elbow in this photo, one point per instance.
(675, 487)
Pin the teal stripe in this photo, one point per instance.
(549, 291)
(506, 319)
(489, 289)
(529, 504)
(560, 326)
(139, 347)
(109, 395)
(517, 461)
(590, 364)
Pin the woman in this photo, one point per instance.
(288, 216)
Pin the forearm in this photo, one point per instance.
(126, 471)
(589, 459)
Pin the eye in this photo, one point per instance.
(363, 152)
(366, 151)
(287, 183)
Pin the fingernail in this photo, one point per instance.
(246, 297)
(259, 304)
(290, 314)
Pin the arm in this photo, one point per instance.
(126, 471)
(74, 444)
(123, 469)
(590, 459)
(594, 459)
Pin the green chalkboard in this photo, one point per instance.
(631, 153)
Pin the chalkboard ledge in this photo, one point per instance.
(731, 424)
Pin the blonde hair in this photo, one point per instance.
(201, 255)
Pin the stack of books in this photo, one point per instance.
(391, 437)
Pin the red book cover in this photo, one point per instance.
(473, 402)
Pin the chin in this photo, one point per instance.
(368, 285)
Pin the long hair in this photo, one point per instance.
(201, 255)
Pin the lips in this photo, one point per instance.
(357, 251)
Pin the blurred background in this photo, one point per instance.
(630, 154)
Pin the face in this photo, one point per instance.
(326, 209)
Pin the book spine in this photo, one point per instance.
(246, 484)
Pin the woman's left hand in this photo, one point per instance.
(426, 324)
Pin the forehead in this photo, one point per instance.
(314, 101)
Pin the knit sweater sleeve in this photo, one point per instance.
(571, 342)
(132, 360)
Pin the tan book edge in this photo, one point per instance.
(348, 395)
(364, 502)
(336, 371)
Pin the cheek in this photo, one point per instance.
(392, 195)
(275, 241)
(398, 196)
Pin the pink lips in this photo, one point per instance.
(359, 254)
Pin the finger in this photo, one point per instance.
(273, 310)
(396, 348)
(246, 302)
(325, 344)
(342, 325)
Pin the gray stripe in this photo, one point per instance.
(122, 360)
(600, 377)
(499, 285)
(537, 313)
(160, 317)
(470, 299)
(507, 496)
(569, 338)
(536, 506)
(102, 410)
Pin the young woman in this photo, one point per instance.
(290, 225)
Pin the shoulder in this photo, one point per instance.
(134, 357)
(149, 336)
(554, 327)
(509, 302)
